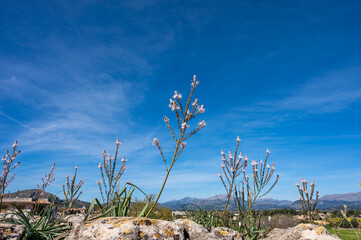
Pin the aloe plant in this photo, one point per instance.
(250, 227)
(118, 207)
(44, 226)
(201, 215)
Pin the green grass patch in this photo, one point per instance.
(346, 234)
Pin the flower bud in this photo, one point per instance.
(155, 141)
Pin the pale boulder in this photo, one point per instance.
(301, 232)
(122, 228)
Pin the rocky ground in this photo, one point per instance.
(144, 228)
(123, 228)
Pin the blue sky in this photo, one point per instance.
(283, 75)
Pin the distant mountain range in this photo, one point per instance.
(327, 202)
(217, 203)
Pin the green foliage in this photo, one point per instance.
(246, 194)
(345, 234)
(202, 216)
(354, 223)
(163, 213)
(345, 223)
(46, 226)
(248, 225)
(118, 207)
(284, 211)
(138, 206)
(251, 227)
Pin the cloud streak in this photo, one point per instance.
(333, 92)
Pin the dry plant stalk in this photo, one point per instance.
(71, 193)
(7, 161)
(47, 179)
(184, 114)
(306, 198)
(246, 196)
(110, 177)
(231, 169)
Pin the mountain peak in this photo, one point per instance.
(346, 197)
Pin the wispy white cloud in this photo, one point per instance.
(79, 119)
(14, 120)
(333, 92)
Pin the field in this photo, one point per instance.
(346, 234)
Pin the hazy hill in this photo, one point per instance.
(327, 202)
(31, 193)
(217, 203)
(346, 197)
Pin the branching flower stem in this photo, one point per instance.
(110, 176)
(308, 206)
(234, 173)
(183, 116)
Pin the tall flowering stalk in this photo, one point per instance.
(248, 190)
(308, 206)
(110, 176)
(184, 114)
(231, 169)
(7, 161)
(71, 190)
(47, 179)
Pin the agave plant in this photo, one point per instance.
(118, 207)
(42, 226)
(201, 216)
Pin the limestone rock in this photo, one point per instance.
(11, 231)
(301, 232)
(122, 228)
(74, 218)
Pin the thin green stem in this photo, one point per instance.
(229, 196)
(166, 176)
